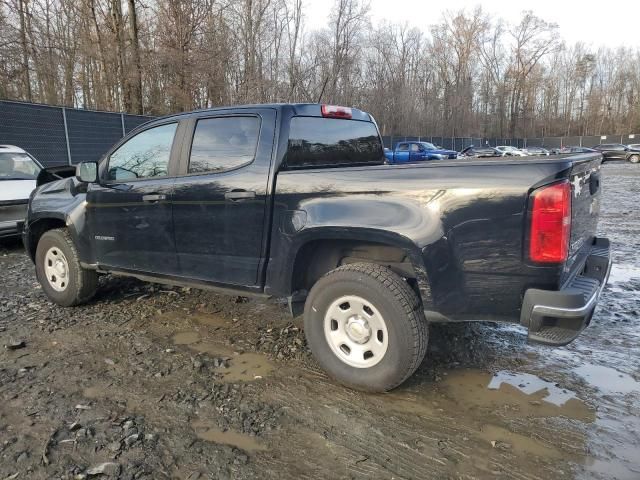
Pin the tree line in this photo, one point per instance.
(468, 74)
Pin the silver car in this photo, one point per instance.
(18, 174)
(511, 151)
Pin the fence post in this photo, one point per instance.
(122, 122)
(66, 134)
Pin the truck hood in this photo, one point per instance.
(16, 189)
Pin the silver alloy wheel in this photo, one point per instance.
(56, 268)
(356, 331)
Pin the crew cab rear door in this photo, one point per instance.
(220, 197)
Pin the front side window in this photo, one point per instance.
(144, 156)
(415, 147)
(17, 166)
(223, 143)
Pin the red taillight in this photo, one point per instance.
(550, 223)
(334, 111)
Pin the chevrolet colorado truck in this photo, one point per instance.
(296, 202)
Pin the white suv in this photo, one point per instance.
(18, 174)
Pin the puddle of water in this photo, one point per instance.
(517, 443)
(623, 273)
(607, 380)
(245, 367)
(511, 394)
(530, 394)
(530, 384)
(208, 319)
(186, 338)
(210, 433)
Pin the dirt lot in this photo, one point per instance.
(155, 382)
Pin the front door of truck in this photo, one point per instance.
(220, 198)
(129, 210)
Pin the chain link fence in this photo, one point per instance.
(66, 136)
(61, 135)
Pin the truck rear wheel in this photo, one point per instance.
(59, 272)
(365, 326)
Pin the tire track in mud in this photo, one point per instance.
(431, 443)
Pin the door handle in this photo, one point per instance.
(239, 195)
(154, 197)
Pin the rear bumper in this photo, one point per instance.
(558, 317)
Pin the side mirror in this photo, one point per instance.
(87, 172)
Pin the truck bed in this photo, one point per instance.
(466, 219)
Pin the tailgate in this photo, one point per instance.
(585, 181)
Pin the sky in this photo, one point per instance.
(612, 23)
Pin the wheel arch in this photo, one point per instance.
(37, 228)
(74, 222)
(318, 252)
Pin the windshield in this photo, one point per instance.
(428, 146)
(17, 166)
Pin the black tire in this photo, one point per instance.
(401, 310)
(634, 158)
(81, 283)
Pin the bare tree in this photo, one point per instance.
(468, 74)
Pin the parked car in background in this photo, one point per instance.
(572, 149)
(511, 151)
(481, 152)
(536, 151)
(618, 151)
(406, 152)
(368, 252)
(18, 174)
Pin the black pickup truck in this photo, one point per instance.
(295, 201)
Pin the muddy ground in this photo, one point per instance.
(156, 382)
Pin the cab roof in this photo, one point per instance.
(287, 110)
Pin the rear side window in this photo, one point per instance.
(331, 142)
(404, 147)
(223, 143)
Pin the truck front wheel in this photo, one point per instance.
(366, 327)
(59, 271)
